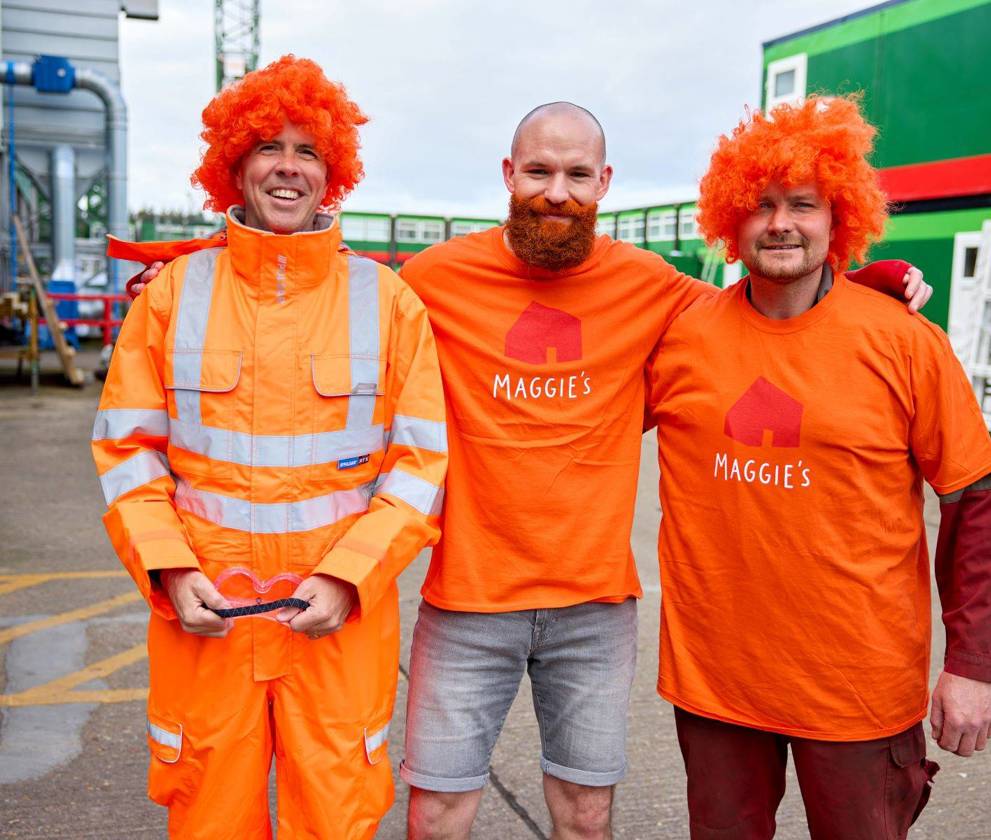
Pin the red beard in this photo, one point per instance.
(548, 244)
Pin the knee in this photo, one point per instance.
(580, 812)
(441, 816)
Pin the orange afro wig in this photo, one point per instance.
(825, 141)
(253, 109)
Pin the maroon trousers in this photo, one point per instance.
(859, 790)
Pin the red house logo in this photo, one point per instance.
(541, 328)
(765, 407)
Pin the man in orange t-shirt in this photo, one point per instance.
(794, 567)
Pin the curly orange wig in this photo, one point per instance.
(253, 109)
(825, 141)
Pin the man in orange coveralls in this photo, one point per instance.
(543, 330)
(794, 567)
(275, 404)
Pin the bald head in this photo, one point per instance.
(562, 116)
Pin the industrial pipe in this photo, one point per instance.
(53, 74)
(64, 213)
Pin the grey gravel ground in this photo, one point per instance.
(78, 770)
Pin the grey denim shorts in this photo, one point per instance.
(465, 672)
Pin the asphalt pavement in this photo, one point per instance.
(73, 672)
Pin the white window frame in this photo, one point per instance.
(637, 224)
(407, 230)
(431, 230)
(689, 215)
(963, 296)
(662, 218)
(800, 65)
(605, 226)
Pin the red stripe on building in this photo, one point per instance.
(938, 179)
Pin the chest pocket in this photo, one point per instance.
(201, 386)
(347, 428)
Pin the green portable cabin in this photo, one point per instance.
(924, 67)
(369, 234)
(462, 226)
(670, 230)
(415, 233)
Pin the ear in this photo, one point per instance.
(605, 179)
(508, 171)
(239, 180)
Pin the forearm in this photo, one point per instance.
(963, 577)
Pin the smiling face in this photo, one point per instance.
(786, 238)
(283, 181)
(555, 176)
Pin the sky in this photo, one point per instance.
(445, 82)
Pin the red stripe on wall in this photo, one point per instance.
(938, 179)
(378, 256)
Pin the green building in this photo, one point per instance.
(670, 230)
(388, 238)
(924, 67)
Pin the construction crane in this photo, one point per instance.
(235, 26)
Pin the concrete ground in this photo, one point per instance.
(73, 672)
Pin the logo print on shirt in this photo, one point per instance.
(764, 407)
(764, 412)
(541, 328)
(540, 336)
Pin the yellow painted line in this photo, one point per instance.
(11, 583)
(19, 630)
(96, 671)
(112, 695)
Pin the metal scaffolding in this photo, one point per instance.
(235, 25)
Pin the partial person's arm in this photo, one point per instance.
(130, 439)
(950, 443)
(404, 513)
(897, 279)
(961, 716)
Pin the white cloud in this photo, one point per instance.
(445, 83)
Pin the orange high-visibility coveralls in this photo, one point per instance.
(275, 404)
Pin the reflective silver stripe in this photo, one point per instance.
(275, 450)
(164, 737)
(119, 423)
(142, 469)
(363, 324)
(190, 332)
(423, 434)
(417, 492)
(375, 740)
(271, 518)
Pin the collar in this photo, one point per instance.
(282, 263)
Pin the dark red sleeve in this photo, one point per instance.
(882, 276)
(963, 577)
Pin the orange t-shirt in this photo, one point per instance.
(794, 568)
(543, 374)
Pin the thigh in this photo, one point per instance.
(465, 672)
(209, 734)
(581, 669)
(864, 789)
(736, 778)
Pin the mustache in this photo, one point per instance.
(540, 206)
(770, 243)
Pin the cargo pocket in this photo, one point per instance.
(909, 782)
(166, 771)
(202, 392)
(376, 742)
(346, 437)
